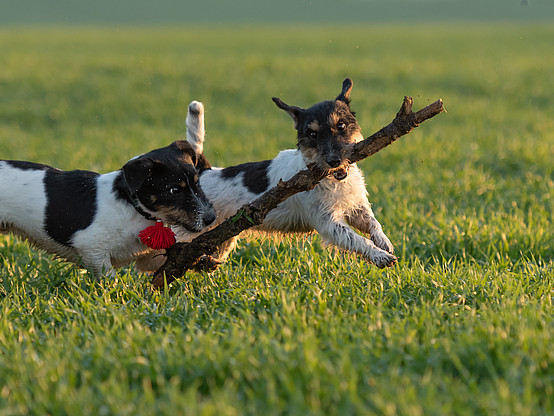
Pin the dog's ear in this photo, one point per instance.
(135, 172)
(293, 111)
(344, 95)
(202, 163)
(185, 147)
(197, 159)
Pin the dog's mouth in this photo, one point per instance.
(193, 221)
(180, 225)
(191, 225)
(196, 228)
(340, 174)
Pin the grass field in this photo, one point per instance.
(462, 325)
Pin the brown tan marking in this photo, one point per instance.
(314, 125)
(334, 118)
(309, 154)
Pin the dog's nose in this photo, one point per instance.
(209, 218)
(333, 162)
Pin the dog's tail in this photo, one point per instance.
(195, 126)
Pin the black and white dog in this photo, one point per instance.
(336, 204)
(95, 220)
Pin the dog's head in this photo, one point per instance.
(325, 129)
(164, 184)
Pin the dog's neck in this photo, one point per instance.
(138, 208)
(122, 192)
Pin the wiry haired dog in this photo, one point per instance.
(336, 204)
(94, 219)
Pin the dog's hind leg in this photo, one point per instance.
(340, 234)
(195, 126)
(364, 220)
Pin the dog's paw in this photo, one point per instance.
(382, 259)
(382, 241)
(207, 264)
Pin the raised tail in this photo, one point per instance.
(195, 126)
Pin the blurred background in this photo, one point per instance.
(74, 12)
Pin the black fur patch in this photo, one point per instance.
(23, 165)
(71, 203)
(120, 188)
(255, 175)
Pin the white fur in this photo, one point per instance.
(331, 208)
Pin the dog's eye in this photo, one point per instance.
(174, 190)
(313, 135)
(341, 126)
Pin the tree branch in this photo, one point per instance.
(184, 256)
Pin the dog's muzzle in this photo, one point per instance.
(209, 217)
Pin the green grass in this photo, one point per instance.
(462, 325)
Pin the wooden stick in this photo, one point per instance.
(185, 256)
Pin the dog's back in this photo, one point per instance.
(45, 205)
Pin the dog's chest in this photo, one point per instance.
(329, 199)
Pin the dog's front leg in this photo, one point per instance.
(225, 250)
(363, 219)
(209, 263)
(99, 265)
(151, 261)
(339, 233)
